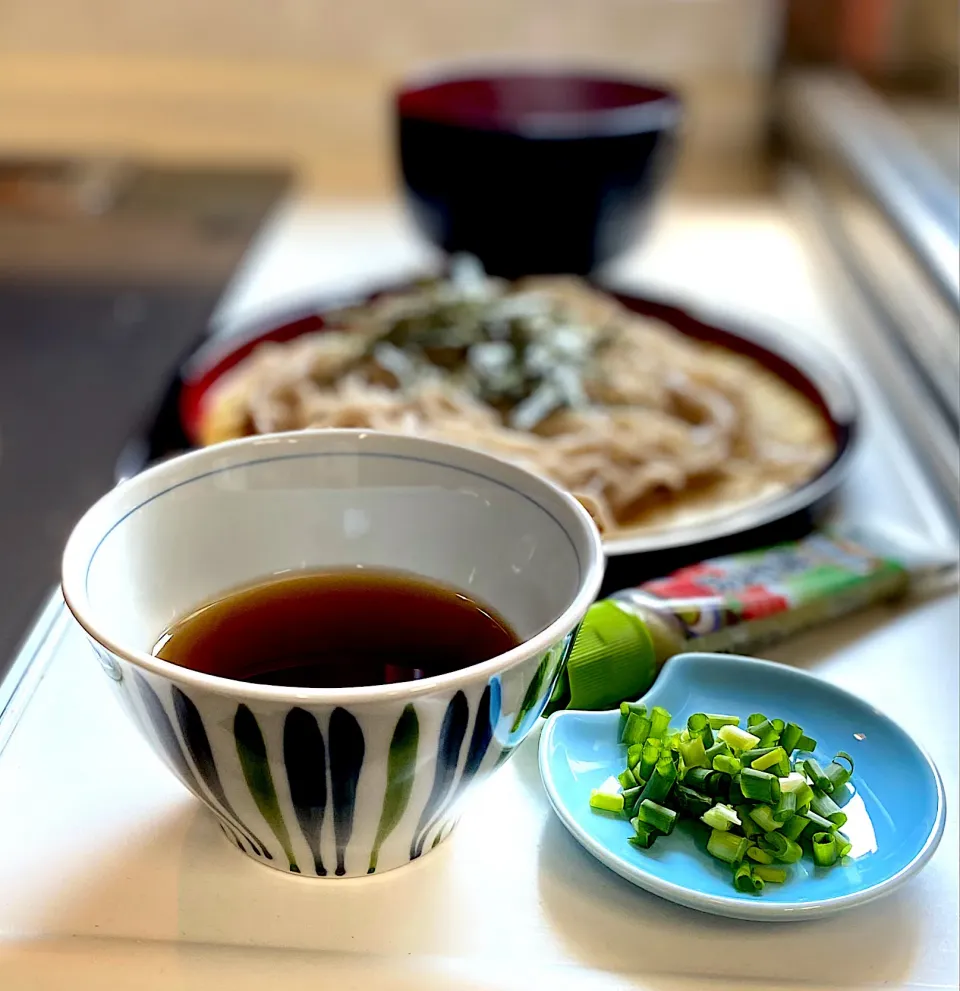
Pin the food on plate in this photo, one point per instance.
(764, 807)
(647, 427)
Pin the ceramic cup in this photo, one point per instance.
(332, 782)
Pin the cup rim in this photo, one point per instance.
(655, 106)
(78, 553)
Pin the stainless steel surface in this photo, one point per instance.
(885, 224)
(879, 339)
(836, 117)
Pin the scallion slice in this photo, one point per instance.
(836, 773)
(644, 835)
(823, 805)
(726, 764)
(786, 807)
(784, 849)
(824, 849)
(736, 738)
(626, 779)
(694, 753)
(606, 802)
(792, 828)
(822, 824)
(759, 855)
(721, 817)
(660, 721)
(762, 815)
(842, 843)
(749, 756)
(790, 737)
(637, 729)
(759, 786)
(692, 801)
(717, 720)
(775, 875)
(727, 846)
(768, 760)
(648, 759)
(660, 818)
(719, 747)
(743, 880)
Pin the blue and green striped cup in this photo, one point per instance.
(347, 781)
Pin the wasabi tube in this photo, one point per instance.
(736, 604)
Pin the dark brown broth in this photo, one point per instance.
(336, 629)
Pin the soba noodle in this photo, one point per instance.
(665, 425)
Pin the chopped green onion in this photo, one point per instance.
(826, 807)
(718, 748)
(786, 807)
(836, 773)
(760, 786)
(842, 843)
(743, 782)
(637, 729)
(721, 817)
(704, 779)
(749, 756)
(662, 819)
(717, 721)
(626, 779)
(794, 781)
(790, 737)
(661, 781)
(605, 802)
(819, 821)
(736, 738)
(784, 849)
(776, 875)
(694, 803)
(660, 721)
(726, 764)
(644, 836)
(694, 754)
(762, 815)
(760, 855)
(727, 846)
(749, 827)
(815, 773)
(792, 828)
(699, 726)
(743, 880)
(763, 730)
(648, 761)
(769, 759)
(824, 849)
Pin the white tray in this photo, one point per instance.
(113, 877)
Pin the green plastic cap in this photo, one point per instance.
(613, 658)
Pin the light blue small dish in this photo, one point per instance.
(896, 808)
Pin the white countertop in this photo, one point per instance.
(111, 875)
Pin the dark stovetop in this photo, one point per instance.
(108, 274)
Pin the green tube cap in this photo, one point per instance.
(613, 658)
